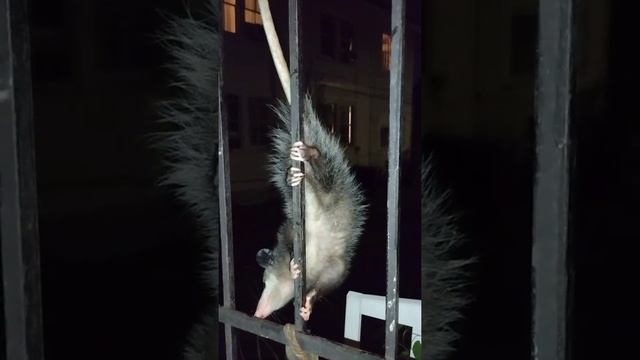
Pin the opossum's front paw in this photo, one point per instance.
(294, 176)
(295, 269)
(302, 152)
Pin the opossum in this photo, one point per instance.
(334, 203)
(334, 214)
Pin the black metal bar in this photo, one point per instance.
(297, 133)
(18, 192)
(551, 201)
(393, 195)
(322, 347)
(224, 194)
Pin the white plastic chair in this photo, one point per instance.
(358, 304)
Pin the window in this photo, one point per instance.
(347, 52)
(339, 120)
(386, 51)
(345, 121)
(252, 12)
(328, 36)
(325, 113)
(233, 118)
(230, 16)
(261, 120)
(337, 42)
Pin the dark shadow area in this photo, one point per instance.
(491, 184)
(478, 126)
(606, 178)
(480, 110)
(118, 260)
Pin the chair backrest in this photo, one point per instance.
(358, 304)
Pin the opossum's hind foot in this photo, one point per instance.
(302, 152)
(305, 311)
(295, 269)
(294, 176)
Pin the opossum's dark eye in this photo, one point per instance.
(264, 257)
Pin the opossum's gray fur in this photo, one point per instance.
(191, 152)
(445, 279)
(332, 181)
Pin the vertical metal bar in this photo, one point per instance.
(18, 199)
(297, 133)
(551, 202)
(393, 194)
(224, 195)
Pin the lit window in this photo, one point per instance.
(339, 120)
(252, 12)
(347, 53)
(386, 50)
(349, 124)
(230, 15)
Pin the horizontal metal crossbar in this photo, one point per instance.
(314, 344)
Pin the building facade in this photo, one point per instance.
(345, 60)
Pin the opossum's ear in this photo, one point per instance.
(264, 257)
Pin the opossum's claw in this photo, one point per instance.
(305, 311)
(295, 176)
(295, 269)
(302, 152)
(298, 152)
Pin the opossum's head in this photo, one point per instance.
(278, 283)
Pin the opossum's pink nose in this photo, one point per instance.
(263, 310)
(262, 314)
